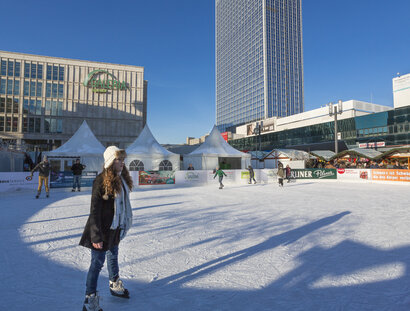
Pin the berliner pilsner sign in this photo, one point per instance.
(102, 86)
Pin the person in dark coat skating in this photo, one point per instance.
(251, 174)
(77, 169)
(109, 221)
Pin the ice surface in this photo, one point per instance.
(307, 246)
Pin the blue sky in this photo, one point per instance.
(352, 50)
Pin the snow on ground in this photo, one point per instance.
(308, 246)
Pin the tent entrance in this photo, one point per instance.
(233, 163)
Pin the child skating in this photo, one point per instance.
(281, 174)
(221, 174)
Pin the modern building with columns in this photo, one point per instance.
(44, 100)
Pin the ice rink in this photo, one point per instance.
(307, 246)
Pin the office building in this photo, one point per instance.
(259, 61)
(44, 100)
(401, 91)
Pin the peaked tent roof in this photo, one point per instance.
(147, 144)
(215, 144)
(364, 153)
(324, 154)
(82, 142)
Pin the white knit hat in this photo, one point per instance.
(110, 154)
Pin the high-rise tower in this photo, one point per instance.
(259, 60)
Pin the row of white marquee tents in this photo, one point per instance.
(145, 153)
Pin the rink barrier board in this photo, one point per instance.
(14, 181)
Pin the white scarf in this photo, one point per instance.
(122, 210)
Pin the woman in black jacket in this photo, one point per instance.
(109, 221)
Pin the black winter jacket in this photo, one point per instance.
(97, 228)
(43, 169)
(77, 168)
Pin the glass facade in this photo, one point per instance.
(391, 127)
(259, 63)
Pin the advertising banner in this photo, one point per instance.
(354, 174)
(11, 181)
(391, 175)
(65, 179)
(156, 178)
(190, 177)
(314, 173)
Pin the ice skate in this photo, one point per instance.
(117, 289)
(47, 195)
(37, 195)
(92, 303)
(72, 190)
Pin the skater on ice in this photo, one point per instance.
(109, 221)
(221, 174)
(43, 175)
(281, 174)
(251, 174)
(190, 167)
(77, 169)
(288, 173)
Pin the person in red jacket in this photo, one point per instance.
(287, 172)
(109, 221)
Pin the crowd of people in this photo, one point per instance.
(341, 163)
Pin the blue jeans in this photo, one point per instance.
(76, 181)
(97, 262)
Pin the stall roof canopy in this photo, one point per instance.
(215, 144)
(402, 149)
(147, 144)
(291, 154)
(324, 154)
(364, 153)
(258, 154)
(82, 142)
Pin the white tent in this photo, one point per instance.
(83, 145)
(215, 151)
(145, 153)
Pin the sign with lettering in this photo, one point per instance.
(313, 173)
(102, 86)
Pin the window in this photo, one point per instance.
(136, 165)
(8, 124)
(9, 105)
(37, 125)
(53, 108)
(54, 91)
(165, 166)
(32, 88)
(53, 127)
(47, 125)
(60, 108)
(15, 105)
(25, 106)
(3, 71)
(48, 108)
(32, 109)
(61, 74)
(9, 87)
(38, 107)
(39, 91)
(10, 71)
(16, 90)
(60, 91)
(31, 125)
(17, 69)
(59, 126)
(48, 72)
(33, 71)
(15, 124)
(1, 124)
(25, 125)
(3, 86)
(48, 90)
(2, 105)
(26, 70)
(40, 72)
(55, 73)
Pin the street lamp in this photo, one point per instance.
(334, 110)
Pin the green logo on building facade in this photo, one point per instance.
(102, 86)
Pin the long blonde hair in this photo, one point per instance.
(112, 181)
